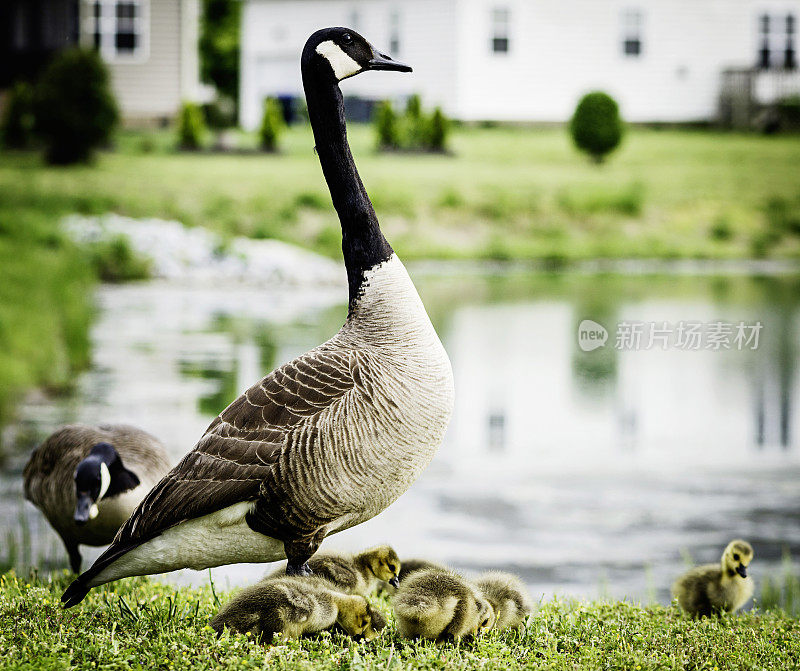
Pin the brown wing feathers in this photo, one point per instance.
(238, 451)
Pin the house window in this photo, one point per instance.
(394, 32)
(632, 21)
(790, 55)
(776, 41)
(119, 28)
(501, 17)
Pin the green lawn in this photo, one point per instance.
(141, 624)
(505, 192)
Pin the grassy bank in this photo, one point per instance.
(45, 305)
(505, 193)
(142, 624)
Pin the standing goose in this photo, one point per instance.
(328, 440)
(88, 480)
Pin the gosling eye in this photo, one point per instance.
(735, 556)
(347, 38)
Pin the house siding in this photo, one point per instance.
(152, 84)
(274, 32)
(559, 50)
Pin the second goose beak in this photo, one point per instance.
(395, 582)
(381, 61)
(742, 571)
(83, 508)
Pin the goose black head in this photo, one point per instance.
(344, 53)
(100, 475)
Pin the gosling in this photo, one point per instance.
(407, 567)
(441, 606)
(713, 588)
(356, 574)
(508, 597)
(294, 606)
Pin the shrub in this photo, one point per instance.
(596, 126)
(116, 261)
(272, 125)
(18, 120)
(386, 126)
(74, 107)
(415, 131)
(191, 127)
(437, 130)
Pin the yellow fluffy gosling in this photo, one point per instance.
(293, 606)
(441, 606)
(355, 574)
(508, 597)
(712, 588)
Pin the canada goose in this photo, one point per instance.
(440, 605)
(87, 481)
(294, 606)
(356, 574)
(508, 597)
(712, 588)
(328, 440)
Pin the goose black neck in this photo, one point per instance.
(363, 244)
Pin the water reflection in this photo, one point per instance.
(583, 471)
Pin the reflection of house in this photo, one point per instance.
(150, 46)
(521, 60)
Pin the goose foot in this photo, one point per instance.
(298, 552)
(298, 569)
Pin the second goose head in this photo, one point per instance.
(344, 53)
(101, 474)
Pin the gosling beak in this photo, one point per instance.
(381, 61)
(394, 582)
(82, 509)
(741, 570)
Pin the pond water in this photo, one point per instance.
(586, 472)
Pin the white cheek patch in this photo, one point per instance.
(105, 481)
(93, 511)
(343, 66)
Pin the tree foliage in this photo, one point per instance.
(219, 45)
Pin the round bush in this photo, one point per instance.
(74, 108)
(596, 126)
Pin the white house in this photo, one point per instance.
(150, 47)
(151, 50)
(530, 60)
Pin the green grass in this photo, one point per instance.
(138, 623)
(505, 193)
(45, 305)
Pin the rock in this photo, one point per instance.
(198, 255)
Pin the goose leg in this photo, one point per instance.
(74, 555)
(298, 552)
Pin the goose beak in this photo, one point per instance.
(741, 570)
(381, 61)
(395, 582)
(82, 509)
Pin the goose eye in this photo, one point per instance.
(347, 38)
(735, 557)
